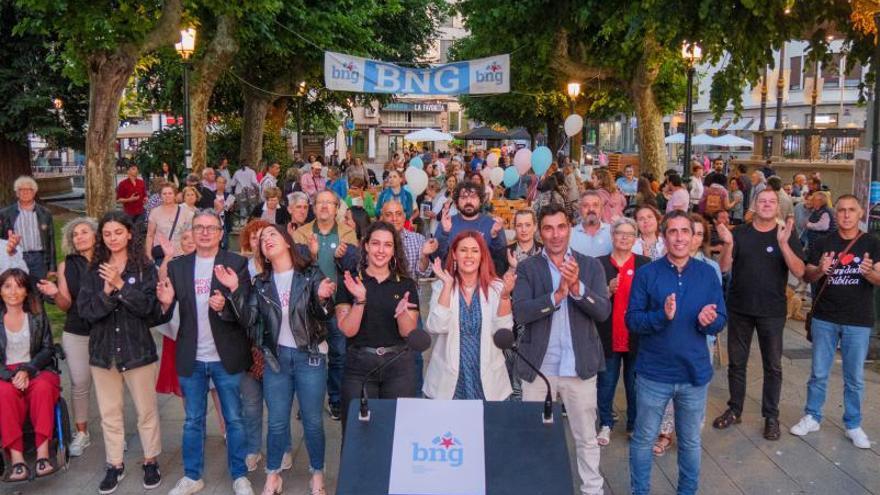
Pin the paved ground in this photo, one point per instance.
(737, 461)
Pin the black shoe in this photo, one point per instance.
(727, 419)
(152, 477)
(564, 412)
(111, 480)
(771, 429)
(335, 411)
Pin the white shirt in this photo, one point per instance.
(206, 351)
(696, 190)
(18, 345)
(14, 261)
(283, 281)
(244, 177)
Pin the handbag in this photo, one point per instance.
(157, 251)
(808, 319)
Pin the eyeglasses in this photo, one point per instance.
(624, 234)
(466, 195)
(211, 229)
(325, 202)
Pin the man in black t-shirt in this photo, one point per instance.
(844, 261)
(759, 256)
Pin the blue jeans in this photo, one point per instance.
(853, 349)
(195, 394)
(336, 361)
(252, 413)
(305, 375)
(607, 385)
(690, 404)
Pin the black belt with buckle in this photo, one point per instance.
(381, 351)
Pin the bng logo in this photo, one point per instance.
(443, 449)
(346, 72)
(493, 73)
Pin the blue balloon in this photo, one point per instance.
(416, 162)
(511, 176)
(542, 157)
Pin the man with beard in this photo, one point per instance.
(468, 198)
(591, 237)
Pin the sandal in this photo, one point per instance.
(726, 419)
(19, 472)
(41, 465)
(662, 445)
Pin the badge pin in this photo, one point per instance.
(130, 280)
(333, 245)
(629, 272)
(769, 249)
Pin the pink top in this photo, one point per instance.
(680, 200)
(614, 203)
(312, 185)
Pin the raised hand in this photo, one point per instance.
(227, 277)
(404, 305)
(165, 292)
(216, 301)
(326, 289)
(166, 245)
(707, 315)
(669, 306)
(430, 247)
(867, 264)
(724, 234)
(446, 219)
(442, 274)
(355, 287)
(509, 280)
(313, 245)
(47, 288)
(826, 263)
(12, 240)
(111, 276)
(340, 250)
(570, 274)
(783, 232)
(497, 226)
(511, 260)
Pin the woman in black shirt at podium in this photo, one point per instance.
(377, 308)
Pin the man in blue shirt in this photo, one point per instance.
(477, 161)
(629, 183)
(591, 237)
(675, 303)
(468, 198)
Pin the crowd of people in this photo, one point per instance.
(603, 276)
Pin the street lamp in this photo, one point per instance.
(299, 124)
(185, 47)
(574, 90)
(692, 54)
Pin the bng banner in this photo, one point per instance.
(360, 75)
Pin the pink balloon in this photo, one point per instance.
(492, 160)
(522, 160)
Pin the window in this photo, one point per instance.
(360, 140)
(794, 81)
(453, 122)
(831, 72)
(853, 77)
(823, 120)
(445, 45)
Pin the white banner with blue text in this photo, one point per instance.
(438, 448)
(360, 75)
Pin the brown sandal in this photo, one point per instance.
(19, 472)
(41, 465)
(662, 445)
(726, 419)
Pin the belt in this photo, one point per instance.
(381, 351)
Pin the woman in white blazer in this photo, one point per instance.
(469, 303)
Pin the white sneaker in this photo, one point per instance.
(287, 461)
(187, 486)
(859, 438)
(81, 440)
(242, 486)
(604, 436)
(252, 461)
(806, 425)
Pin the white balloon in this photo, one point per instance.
(573, 124)
(417, 180)
(496, 175)
(492, 160)
(522, 160)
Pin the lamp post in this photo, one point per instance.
(299, 124)
(185, 47)
(574, 90)
(692, 54)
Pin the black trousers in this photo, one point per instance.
(740, 329)
(398, 379)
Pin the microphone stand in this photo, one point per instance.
(548, 399)
(364, 413)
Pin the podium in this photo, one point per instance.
(522, 454)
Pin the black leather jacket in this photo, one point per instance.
(120, 322)
(307, 314)
(42, 348)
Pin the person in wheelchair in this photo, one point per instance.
(29, 384)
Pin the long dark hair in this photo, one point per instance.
(137, 258)
(397, 265)
(299, 263)
(32, 302)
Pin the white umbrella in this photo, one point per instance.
(677, 138)
(732, 141)
(702, 140)
(427, 134)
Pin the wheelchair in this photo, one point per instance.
(59, 444)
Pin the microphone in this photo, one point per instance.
(417, 341)
(505, 340)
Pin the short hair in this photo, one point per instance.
(207, 212)
(24, 180)
(331, 193)
(297, 197)
(194, 190)
(67, 233)
(168, 184)
(192, 178)
(358, 182)
(774, 183)
(469, 186)
(208, 169)
(272, 192)
(591, 193)
(674, 179)
(551, 209)
(672, 215)
(525, 211)
(625, 221)
(156, 184)
(652, 209)
(848, 196)
(767, 190)
(761, 176)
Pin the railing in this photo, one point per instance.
(55, 168)
(820, 144)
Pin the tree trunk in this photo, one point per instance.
(16, 160)
(207, 70)
(554, 137)
(652, 149)
(108, 76)
(253, 122)
(276, 114)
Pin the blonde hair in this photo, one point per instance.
(194, 191)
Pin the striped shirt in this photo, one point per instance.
(28, 227)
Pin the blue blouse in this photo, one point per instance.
(470, 383)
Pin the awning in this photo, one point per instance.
(519, 134)
(677, 138)
(426, 135)
(732, 141)
(769, 123)
(482, 133)
(702, 140)
(710, 124)
(741, 124)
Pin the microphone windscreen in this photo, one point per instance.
(503, 338)
(418, 340)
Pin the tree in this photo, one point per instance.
(103, 42)
(31, 80)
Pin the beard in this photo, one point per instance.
(591, 219)
(468, 210)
